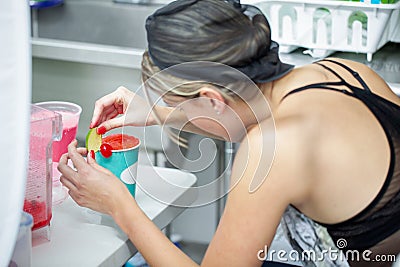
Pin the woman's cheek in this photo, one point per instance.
(211, 126)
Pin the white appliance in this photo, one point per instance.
(15, 96)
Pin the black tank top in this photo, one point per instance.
(381, 218)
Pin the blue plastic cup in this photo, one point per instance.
(123, 164)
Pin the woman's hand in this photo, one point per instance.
(91, 185)
(134, 109)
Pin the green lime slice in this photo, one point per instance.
(93, 140)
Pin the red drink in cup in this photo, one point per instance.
(120, 141)
(119, 154)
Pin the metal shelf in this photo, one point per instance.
(86, 53)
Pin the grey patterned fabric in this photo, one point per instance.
(310, 242)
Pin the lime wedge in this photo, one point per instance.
(93, 140)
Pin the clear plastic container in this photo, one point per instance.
(22, 254)
(45, 126)
(70, 114)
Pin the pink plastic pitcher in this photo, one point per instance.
(45, 126)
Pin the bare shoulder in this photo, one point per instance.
(363, 70)
(375, 82)
(281, 154)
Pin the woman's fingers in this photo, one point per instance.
(63, 166)
(67, 183)
(67, 172)
(102, 118)
(83, 151)
(109, 113)
(100, 105)
(112, 114)
(113, 123)
(111, 105)
(76, 158)
(105, 117)
(91, 159)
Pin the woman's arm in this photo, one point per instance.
(95, 187)
(253, 209)
(155, 247)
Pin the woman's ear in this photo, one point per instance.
(217, 101)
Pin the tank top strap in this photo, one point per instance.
(323, 86)
(341, 82)
(354, 73)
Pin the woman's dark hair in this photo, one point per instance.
(207, 30)
(219, 31)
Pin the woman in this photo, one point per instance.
(334, 125)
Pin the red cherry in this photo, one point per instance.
(106, 150)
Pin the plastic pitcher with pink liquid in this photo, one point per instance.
(70, 114)
(45, 126)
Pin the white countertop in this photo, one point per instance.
(81, 237)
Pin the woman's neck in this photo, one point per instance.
(256, 110)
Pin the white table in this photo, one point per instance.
(81, 237)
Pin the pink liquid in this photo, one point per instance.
(61, 147)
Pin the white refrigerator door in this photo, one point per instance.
(15, 93)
